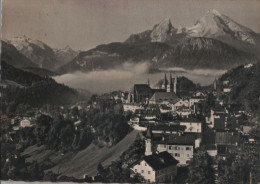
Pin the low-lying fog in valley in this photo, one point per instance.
(125, 76)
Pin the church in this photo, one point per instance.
(143, 93)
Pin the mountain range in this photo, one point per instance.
(214, 42)
(212, 25)
(39, 53)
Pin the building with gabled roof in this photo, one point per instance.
(164, 98)
(160, 168)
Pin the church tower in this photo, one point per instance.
(170, 86)
(165, 83)
(175, 85)
(215, 84)
(149, 141)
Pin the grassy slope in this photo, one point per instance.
(84, 161)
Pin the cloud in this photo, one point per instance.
(128, 74)
(122, 77)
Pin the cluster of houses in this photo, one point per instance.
(174, 140)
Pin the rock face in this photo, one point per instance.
(37, 51)
(41, 54)
(64, 55)
(13, 57)
(215, 25)
(212, 25)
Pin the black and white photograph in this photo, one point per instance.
(130, 91)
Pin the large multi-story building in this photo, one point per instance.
(179, 146)
(159, 168)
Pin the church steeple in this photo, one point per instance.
(149, 141)
(170, 86)
(175, 85)
(171, 83)
(165, 82)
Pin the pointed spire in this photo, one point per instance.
(165, 81)
(149, 133)
(171, 82)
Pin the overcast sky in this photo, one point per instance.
(84, 24)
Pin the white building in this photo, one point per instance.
(192, 125)
(160, 168)
(226, 90)
(196, 99)
(179, 104)
(180, 147)
(25, 123)
(132, 107)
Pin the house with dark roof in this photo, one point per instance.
(140, 93)
(160, 168)
(167, 129)
(164, 98)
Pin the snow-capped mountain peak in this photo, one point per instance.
(216, 25)
(162, 31)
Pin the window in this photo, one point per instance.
(149, 172)
(170, 147)
(135, 170)
(188, 148)
(177, 154)
(145, 164)
(142, 171)
(149, 180)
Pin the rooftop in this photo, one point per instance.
(160, 161)
(168, 128)
(190, 120)
(164, 96)
(142, 88)
(185, 139)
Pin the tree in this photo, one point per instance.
(201, 168)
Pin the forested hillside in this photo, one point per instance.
(37, 90)
(245, 83)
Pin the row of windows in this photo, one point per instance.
(142, 171)
(177, 147)
(178, 155)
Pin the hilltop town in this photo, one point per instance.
(171, 131)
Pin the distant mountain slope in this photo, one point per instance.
(12, 56)
(208, 53)
(37, 51)
(64, 55)
(245, 82)
(38, 90)
(114, 54)
(190, 53)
